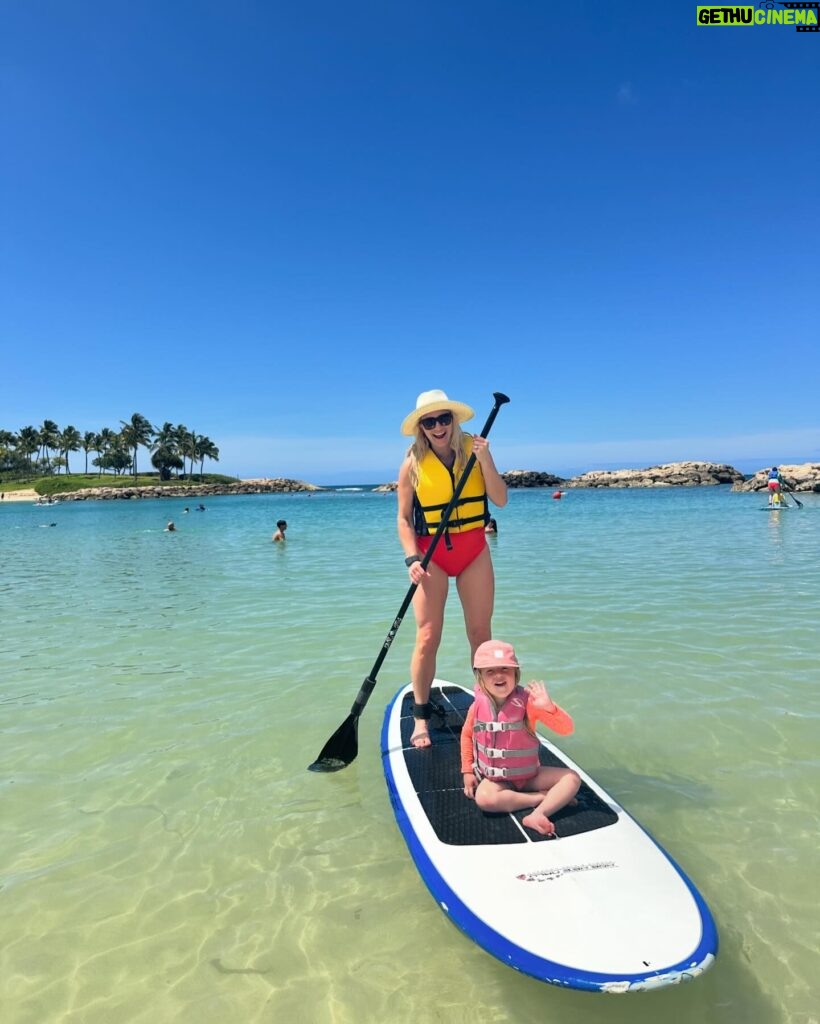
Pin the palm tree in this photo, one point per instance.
(184, 442)
(8, 442)
(28, 442)
(49, 438)
(89, 444)
(135, 432)
(105, 441)
(165, 448)
(115, 455)
(165, 436)
(69, 440)
(193, 444)
(120, 456)
(8, 456)
(206, 450)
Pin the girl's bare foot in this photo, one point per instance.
(421, 734)
(539, 823)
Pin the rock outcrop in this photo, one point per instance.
(802, 477)
(672, 474)
(530, 478)
(514, 478)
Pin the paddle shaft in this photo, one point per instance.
(367, 686)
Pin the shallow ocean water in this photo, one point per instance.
(167, 857)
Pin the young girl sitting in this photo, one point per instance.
(499, 748)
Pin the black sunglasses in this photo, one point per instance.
(444, 420)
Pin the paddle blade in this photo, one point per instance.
(341, 749)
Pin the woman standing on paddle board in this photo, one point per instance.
(428, 478)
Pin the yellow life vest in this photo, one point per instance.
(435, 489)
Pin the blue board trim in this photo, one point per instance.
(520, 959)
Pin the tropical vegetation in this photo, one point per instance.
(44, 451)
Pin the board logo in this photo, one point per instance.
(553, 874)
(804, 15)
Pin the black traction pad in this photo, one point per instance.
(435, 772)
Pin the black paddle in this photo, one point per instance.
(795, 499)
(343, 746)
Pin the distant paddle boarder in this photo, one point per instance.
(774, 485)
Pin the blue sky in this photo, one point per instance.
(277, 223)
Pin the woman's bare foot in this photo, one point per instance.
(539, 823)
(421, 734)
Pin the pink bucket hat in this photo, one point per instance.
(495, 653)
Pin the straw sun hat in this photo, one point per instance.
(433, 401)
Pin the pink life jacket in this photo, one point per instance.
(503, 746)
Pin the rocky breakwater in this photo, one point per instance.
(513, 478)
(531, 478)
(277, 485)
(672, 474)
(802, 477)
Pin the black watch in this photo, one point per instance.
(410, 559)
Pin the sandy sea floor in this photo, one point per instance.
(168, 858)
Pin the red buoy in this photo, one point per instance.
(556, 494)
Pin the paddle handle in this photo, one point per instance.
(366, 689)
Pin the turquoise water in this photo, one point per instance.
(166, 857)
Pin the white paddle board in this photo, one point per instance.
(601, 907)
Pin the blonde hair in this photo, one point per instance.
(421, 446)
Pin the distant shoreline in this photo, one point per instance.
(804, 478)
